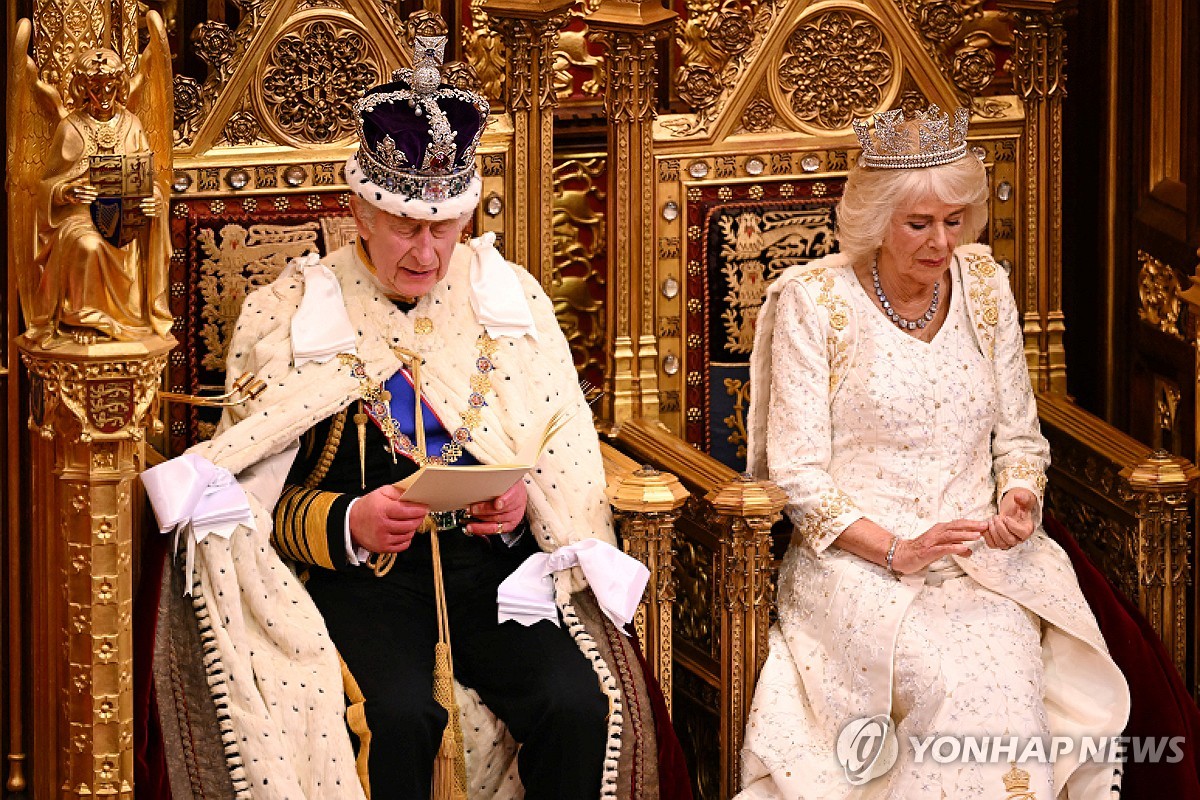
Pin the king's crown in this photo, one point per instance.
(924, 139)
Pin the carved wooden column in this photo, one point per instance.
(88, 403)
(529, 30)
(629, 32)
(746, 508)
(648, 503)
(1161, 487)
(1039, 70)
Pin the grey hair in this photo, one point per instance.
(872, 197)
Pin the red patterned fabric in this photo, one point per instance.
(1161, 705)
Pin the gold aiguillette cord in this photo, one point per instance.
(384, 561)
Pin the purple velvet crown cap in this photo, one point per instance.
(411, 133)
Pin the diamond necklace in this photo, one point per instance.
(899, 321)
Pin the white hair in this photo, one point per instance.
(367, 213)
(872, 196)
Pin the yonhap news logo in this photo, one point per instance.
(867, 748)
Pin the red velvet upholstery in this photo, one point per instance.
(1161, 704)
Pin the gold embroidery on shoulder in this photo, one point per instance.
(985, 306)
(839, 318)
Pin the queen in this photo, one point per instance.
(920, 596)
(96, 285)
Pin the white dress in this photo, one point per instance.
(865, 421)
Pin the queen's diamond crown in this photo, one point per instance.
(924, 139)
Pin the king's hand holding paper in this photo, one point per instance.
(384, 522)
(504, 514)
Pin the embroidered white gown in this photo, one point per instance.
(874, 423)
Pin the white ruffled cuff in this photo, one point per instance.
(193, 496)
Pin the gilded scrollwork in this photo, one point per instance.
(188, 108)
(107, 398)
(214, 44)
(759, 116)
(1039, 56)
(577, 285)
(717, 40)
(311, 77)
(1159, 295)
(485, 53)
(967, 41)
(242, 129)
(836, 66)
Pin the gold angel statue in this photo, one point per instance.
(89, 165)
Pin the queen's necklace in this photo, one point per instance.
(900, 322)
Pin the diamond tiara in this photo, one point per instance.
(924, 139)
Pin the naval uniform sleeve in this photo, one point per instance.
(310, 517)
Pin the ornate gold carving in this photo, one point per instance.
(836, 67)
(94, 409)
(1039, 56)
(214, 44)
(313, 72)
(106, 396)
(964, 38)
(717, 40)
(572, 54)
(577, 287)
(695, 586)
(759, 116)
(63, 29)
(242, 129)
(1129, 508)
(88, 180)
(629, 32)
(1166, 403)
(243, 260)
(485, 53)
(1159, 294)
(647, 503)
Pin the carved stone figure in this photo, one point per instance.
(93, 195)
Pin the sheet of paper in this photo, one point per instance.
(446, 487)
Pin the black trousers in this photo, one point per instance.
(533, 678)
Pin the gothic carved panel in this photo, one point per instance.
(837, 66)
(312, 74)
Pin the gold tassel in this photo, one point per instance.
(360, 419)
(450, 765)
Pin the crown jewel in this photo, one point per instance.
(418, 134)
(923, 139)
